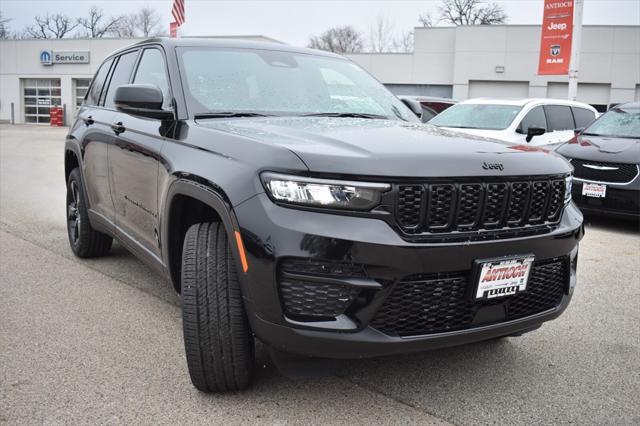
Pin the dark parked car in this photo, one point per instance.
(606, 159)
(290, 197)
(431, 106)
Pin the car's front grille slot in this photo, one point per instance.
(478, 206)
(604, 172)
(436, 303)
(304, 295)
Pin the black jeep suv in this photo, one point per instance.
(290, 197)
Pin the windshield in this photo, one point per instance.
(282, 83)
(477, 116)
(618, 122)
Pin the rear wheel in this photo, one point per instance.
(83, 239)
(217, 337)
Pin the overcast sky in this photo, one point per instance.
(293, 21)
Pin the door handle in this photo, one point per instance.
(118, 128)
(88, 121)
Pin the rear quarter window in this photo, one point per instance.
(559, 117)
(583, 117)
(93, 95)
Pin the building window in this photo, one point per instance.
(39, 96)
(81, 86)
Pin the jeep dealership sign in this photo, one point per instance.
(48, 57)
(555, 44)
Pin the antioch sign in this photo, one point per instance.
(555, 44)
(48, 57)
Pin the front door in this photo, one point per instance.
(134, 161)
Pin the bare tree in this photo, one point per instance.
(149, 22)
(426, 20)
(381, 37)
(125, 27)
(471, 12)
(96, 25)
(4, 27)
(345, 39)
(51, 26)
(405, 42)
(145, 23)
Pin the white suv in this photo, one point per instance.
(533, 121)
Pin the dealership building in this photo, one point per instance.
(458, 62)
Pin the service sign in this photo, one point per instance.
(48, 57)
(555, 44)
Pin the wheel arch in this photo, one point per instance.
(189, 201)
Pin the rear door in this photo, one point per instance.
(135, 157)
(96, 135)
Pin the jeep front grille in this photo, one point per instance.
(475, 206)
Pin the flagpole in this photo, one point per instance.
(576, 37)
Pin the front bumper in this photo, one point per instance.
(272, 233)
(620, 200)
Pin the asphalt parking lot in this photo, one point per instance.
(100, 341)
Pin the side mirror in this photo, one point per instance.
(578, 130)
(144, 100)
(534, 131)
(414, 106)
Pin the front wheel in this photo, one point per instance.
(217, 337)
(83, 239)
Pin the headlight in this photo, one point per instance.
(568, 183)
(313, 192)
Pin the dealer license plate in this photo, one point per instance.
(594, 190)
(505, 277)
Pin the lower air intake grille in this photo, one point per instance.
(438, 303)
(305, 299)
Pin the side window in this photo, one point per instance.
(583, 117)
(559, 117)
(93, 95)
(534, 118)
(120, 75)
(152, 70)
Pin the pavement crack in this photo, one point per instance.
(393, 398)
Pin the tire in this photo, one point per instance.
(217, 337)
(83, 239)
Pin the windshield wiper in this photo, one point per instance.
(231, 114)
(345, 114)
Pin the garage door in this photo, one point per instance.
(594, 94)
(498, 89)
(39, 96)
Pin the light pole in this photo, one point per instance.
(576, 41)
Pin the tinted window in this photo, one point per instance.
(151, 70)
(120, 76)
(477, 116)
(534, 118)
(559, 117)
(98, 82)
(583, 117)
(427, 114)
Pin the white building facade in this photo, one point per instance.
(502, 61)
(458, 62)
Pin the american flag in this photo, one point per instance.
(178, 11)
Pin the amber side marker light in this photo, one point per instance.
(243, 256)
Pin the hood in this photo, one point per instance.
(391, 148)
(601, 148)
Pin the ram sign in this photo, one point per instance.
(48, 57)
